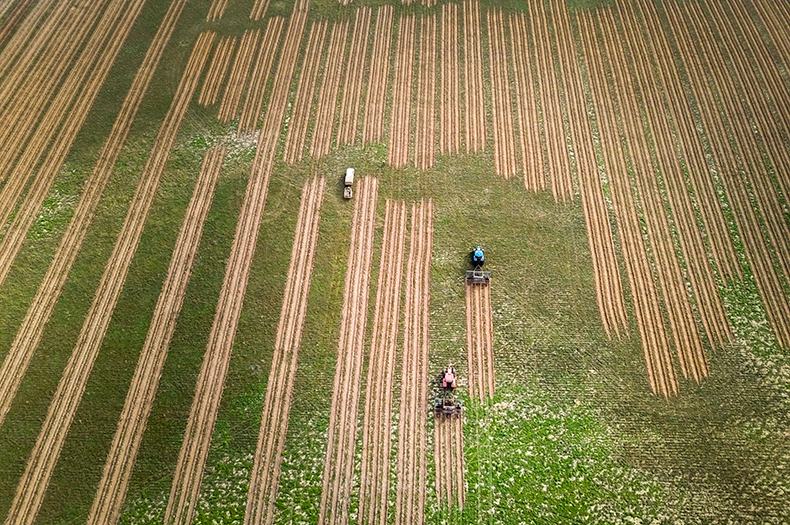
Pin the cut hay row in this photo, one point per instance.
(504, 141)
(450, 71)
(29, 335)
(305, 94)
(558, 160)
(400, 119)
(606, 271)
(424, 150)
(14, 19)
(351, 96)
(376, 97)
(71, 104)
(229, 107)
(474, 91)
(111, 493)
(697, 267)
(480, 341)
(448, 456)
(411, 469)
(253, 104)
(718, 236)
(265, 477)
(377, 426)
(526, 109)
(327, 93)
(217, 71)
(216, 10)
(661, 374)
(211, 379)
(33, 485)
(342, 433)
(259, 9)
(672, 283)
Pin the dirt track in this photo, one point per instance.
(253, 104)
(411, 468)
(208, 391)
(217, 71)
(400, 119)
(377, 425)
(264, 480)
(342, 432)
(448, 456)
(355, 71)
(480, 341)
(327, 94)
(450, 71)
(33, 485)
(112, 489)
(424, 151)
(376, 97)
(474, 91)
(501, 103)
(229, 107)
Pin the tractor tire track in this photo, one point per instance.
(425, 153)
(32, 487)
(450, 112)
(211, 379)
(253, 104)
(342, 433)
(504, 141)
(217, 71)
(376, 96)
(110, 496)
(264, 480)
(354, 73)
(474, 88)
(229, 107)
(327, 94)
(400, 119)
(377, 426)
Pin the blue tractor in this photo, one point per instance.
(477, 275)
(478, 257)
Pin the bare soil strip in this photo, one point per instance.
(74, 100)
(229, 107)
(351, 96)
(211, 379)
(424, 152)
(216, 10)
(480, 339)
(217, 71)
(111, 493)
(660, 372)
(305, 94)
(450, 71)
(398, 145)
(29, 334)
(264, 481)
(376, 97)
(342, 433)
(253, 104)
(33, 485)
(327, 94)
(474, 91)
(502, 111)
(412, 465)
(259, 9)
(377, 425)
(448, 454)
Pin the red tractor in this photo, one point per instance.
(448, 378)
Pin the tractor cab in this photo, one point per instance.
(448, 378)
(478, 257)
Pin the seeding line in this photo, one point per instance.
(377, 426)
(608, 287)
(376, 96)
(424, 151)
(259, 9)
(305, 93)
(216, 10)
(264, 481)
(29, 334)
(398, 146)
(33, 485)
(661, 373)
(771, 20)
(229, 107)
(341, 436)
(110, 496)
(504, 142)
(411, 467)
(85, 78)
(14, 19)
(450, 113)
(354, 72)
(479, 339)
(327, 94)
(211, 379)
(448, 453)
(253, 104)
(217, 71)
(474, 91)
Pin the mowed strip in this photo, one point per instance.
(253, 103)
(400, 119)
(33, 485)
(351, 97)
(501, 103)
(450, 73)
(480, 341)
(211, 378)
(114, 483)
(412, 467)
(229, 107)
(376, 96)
(321, 139)
(448, 457)
(474, 90)
(265, 477)
(30, 332)
(217, 71)
(342, 432)
(424, 150)
(377, 425)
